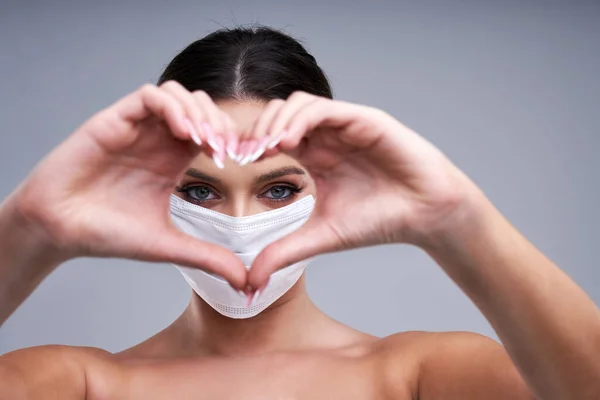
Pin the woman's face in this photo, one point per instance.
(237, 191)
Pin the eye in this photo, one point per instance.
(280, 192)
(199, 192)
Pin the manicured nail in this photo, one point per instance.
(242, 146)
(249, 152)
(276, 141)
(255, 297)
(239, 157)
(249, 298)
(211, 137)
(221, 145)
(232, 146)
(244, 161)
(257, 154)
(245, 154)
(231, 151)
(262, 147)
(193, 132)
(217, 160)
(241, 293)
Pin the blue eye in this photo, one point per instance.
(280, 192)
(199, 193)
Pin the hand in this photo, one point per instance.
(377, 181)
(105, 191)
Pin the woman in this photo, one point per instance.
(237, 140)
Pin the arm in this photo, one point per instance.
(549, 326)
(380, 182)
(25, 258)
(83, 209)
(467, 366)
(48, 373)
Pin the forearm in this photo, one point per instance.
(549, 326)
(25, 258)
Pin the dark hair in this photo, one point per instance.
(258, 63)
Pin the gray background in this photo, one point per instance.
(510, 90)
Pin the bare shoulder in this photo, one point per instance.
(65, 372)
(51, 359)
(453, 365)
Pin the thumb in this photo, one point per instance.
(179, 248)
(311, 239)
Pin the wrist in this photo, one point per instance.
(470, 216)
(24, 242)
(26, 257)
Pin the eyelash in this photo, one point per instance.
(294, 191)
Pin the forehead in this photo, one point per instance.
(244, 113)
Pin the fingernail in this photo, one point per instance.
(221, 152)
(231, 152)
(211, 138)
(232, 146)
(249, 152)
(217, 160)
(276, 141)
(242, 147)
(262, 147)
(257, 154)
(249, 298)
(193, 132)
(245, 160)
(255, 297)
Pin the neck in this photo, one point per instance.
(291, 322)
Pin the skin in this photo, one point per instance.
(549, 328)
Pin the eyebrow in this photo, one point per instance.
(278, 173)
(274, 174)
(194, 173)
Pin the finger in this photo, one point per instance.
(321, 112)
(231, 136)
(243, 149)
(259, 130)
(262, 123)
(271, 152)
(280, 121)
(309, 240)
(252, 142)
(149, 101)
(193, 112)
(248, 151)
(181, 249)
(212, 113)
(213, 126)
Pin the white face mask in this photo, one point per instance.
(246, 237)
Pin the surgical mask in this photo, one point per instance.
(246, 237)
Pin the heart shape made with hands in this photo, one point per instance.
(107, 187)
(377, 181)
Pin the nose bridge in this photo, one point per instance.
(241, 205)
(239, 208)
